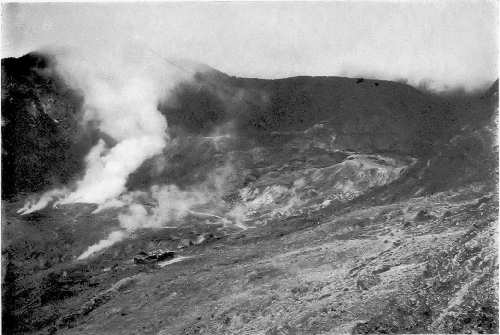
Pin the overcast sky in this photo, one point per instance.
(450, 43)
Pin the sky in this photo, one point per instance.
(443, 44)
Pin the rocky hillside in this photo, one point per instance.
(338, 205)
(42, 143)
(45, 141)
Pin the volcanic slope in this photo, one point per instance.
(351, 206)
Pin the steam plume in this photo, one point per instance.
(168, 205)
(31, 206)
(122, 90)
(121, 94)
(114, 237)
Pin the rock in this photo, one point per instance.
(424, 215)
(367, 280)
(184, 243)
(282, 330)
(407, 224)
(482, 201)
(447, 214)
(204, 238)
(382, 268)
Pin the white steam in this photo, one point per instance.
(121, 89)
(121, 94)
(168, 205)
(107, 170)
(113, 238)
(31, 206)
(172, 204)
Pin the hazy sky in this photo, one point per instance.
(449, 43)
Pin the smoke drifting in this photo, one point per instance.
(121, 90)
(33, 205)
(167, 205)
(121, 96)
(113, 238)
